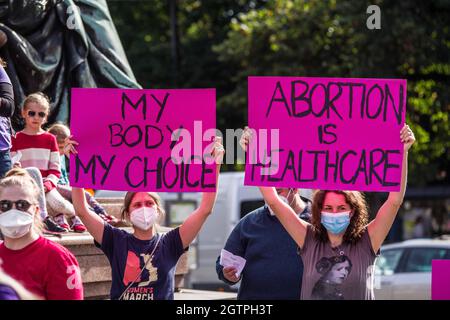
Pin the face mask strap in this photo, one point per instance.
(289, 192)
(7, 229)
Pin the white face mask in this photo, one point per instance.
(15, 223)
(144, 217)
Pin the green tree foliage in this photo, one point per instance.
(330, 38)
(144, 28)
(223, 42)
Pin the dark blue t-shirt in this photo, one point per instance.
(274, 268)
(128, 255)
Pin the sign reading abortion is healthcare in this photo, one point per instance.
(326, 133)
(127, 139)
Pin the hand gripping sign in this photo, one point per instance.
(326, 133)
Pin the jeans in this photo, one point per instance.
(5, 162)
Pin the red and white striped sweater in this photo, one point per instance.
(40, 151)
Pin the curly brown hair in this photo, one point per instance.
(358, 221)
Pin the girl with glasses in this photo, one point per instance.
(39, 149)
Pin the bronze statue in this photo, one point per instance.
(54, 45)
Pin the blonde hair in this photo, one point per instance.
(60, 131)
(125, 212)
(23, 293)
(18, 177)
(39, 98)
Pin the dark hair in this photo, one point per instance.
(358, 221)
(324, 265)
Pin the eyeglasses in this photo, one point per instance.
(22, 205)
(40, 114)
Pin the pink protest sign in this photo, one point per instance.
(440, 280)
(128, 139)
(326, 133)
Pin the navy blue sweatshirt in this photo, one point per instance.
(273, 268)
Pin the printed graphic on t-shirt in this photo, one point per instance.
(335, 271)
(141, 289)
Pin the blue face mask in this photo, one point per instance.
(336, 223)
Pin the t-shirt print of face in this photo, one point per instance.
(334, 270)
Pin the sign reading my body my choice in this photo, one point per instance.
(125, 139)
(335, 134)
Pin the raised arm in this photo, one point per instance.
(379, 227)
(295, 226)
(92, 221)
(192, 225)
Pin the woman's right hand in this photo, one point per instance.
(218, 151)
(246, 137)
(230, 274)
(91, 220)
(69, 146)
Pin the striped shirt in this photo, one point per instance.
(40, 151)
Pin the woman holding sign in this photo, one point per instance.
(339, 246)
(143, 263)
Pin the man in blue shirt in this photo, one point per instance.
(273, 269)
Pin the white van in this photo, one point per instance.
(234, 200)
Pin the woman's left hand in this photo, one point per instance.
(407, 137)
(218, 150)
(69, 146)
